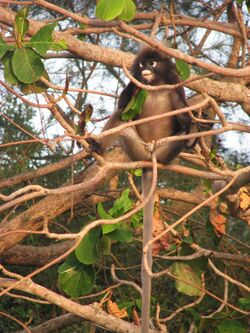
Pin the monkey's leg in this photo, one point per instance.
(134, 145)
(147, 236)
(167, 152)
(137, 149)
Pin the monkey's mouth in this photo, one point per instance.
(147, 75)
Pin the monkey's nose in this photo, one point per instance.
(146, 72)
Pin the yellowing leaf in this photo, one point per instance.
(109, 9)
(114, 310)
(136, 318)
(158, 227)
(113, 184)
(188, 280)
(128, 12)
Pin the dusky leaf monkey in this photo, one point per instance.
(153, 68)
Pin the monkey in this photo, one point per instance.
(153, 68)
(150, 67)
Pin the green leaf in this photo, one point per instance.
(207, 186)
(42, 41)
(106, 228)
(245, 302)
(231, 326)
(59, 45)
(105, 245)
(121, 205)
(199, 265)
(88, 110)
(136, 219)
(75, 278)
(82, 25)
(183, 69)
(189, 281)
(4, 47)
(21, 25)
(138, 172)
(128, 108)
(8, 71)
(128, 12)
(87, 251)
(36, 87)
(109, 9)
(102, 213)
(27, 65)
(134, 107)
(138, 303)
(121, 235)
(81, 36)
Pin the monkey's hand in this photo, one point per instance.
(94, 146)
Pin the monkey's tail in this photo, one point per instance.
(148, 212)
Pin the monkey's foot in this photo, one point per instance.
(94, 146)
(150, 147)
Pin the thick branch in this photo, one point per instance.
(26, 255)
(55, 324)
(43, 170)
(92, 313)
(51, 207)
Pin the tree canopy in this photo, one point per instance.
(71, 218)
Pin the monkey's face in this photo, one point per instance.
(148, 70)
(152, 67)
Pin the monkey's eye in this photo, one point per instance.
(153, 63)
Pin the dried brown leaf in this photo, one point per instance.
(244, 199)
(136, 318)
(218, 221)
(114, 310)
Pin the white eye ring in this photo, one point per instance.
(140, 64)
(153, 63)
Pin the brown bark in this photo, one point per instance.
(43, 170)
(92, 313)
(25, 255)
(55, 324)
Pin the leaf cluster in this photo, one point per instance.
(23, 65)
(79, 267)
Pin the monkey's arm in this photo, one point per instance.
(179, 101)
(115, 119)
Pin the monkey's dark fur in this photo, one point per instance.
(133, 139)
